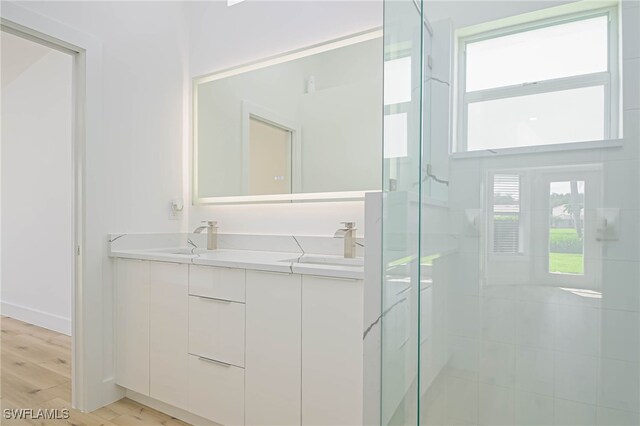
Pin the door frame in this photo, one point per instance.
(592, 252)
(78, 177)
(86, 52)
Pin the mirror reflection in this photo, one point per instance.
(269, 158)
(302, 126)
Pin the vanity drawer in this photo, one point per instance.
(217, 283)
(216, 330)
(216, 391)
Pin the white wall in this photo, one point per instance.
(134, 149)
(37, 184)
(221, 37)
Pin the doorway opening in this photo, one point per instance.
(41, 227)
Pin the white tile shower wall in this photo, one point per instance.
(248, 33)
(523, 353)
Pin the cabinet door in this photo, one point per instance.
(169, 326)
(273, 344)
(132, 325)
(332, 326)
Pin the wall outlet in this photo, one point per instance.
(175, 208)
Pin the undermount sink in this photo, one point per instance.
(329, 261)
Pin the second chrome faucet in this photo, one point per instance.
(349, 235)
(212, 233)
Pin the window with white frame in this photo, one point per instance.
(506, 221)
(543, 83)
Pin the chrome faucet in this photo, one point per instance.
(212, 233)
(349, 235)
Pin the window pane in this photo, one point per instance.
(397, 81)
(574, 115)
(395, 135)
(506, 214)
(570, 49)
(566, 227)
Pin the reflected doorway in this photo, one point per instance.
(269, 158)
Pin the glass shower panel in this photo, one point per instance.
(401, 205)
(511, 292)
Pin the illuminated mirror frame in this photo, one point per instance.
(263, 63)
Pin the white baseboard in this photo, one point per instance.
(178, 413)
(36, 317)
(109, 393)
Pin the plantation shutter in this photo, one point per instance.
(506, 213)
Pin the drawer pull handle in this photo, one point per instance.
(211, 299)
(213, 361)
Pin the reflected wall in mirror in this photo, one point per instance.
(306, 125)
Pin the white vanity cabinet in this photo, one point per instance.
(168, 315)
(216, 329)
(132, 324)
(217, 343)
(151, 321)
(273, 348)
(332, 350)
(216, 391)
(217, 283)
(241, 347)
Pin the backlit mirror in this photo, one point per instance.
(306, 125)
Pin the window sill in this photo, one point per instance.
(540, 149)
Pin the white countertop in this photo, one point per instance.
(324, 265)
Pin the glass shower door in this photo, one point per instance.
(401, 211)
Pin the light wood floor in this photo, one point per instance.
(36, 373)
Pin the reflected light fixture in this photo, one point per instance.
(232, 2)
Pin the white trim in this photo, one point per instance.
(291, 55)
(87, 392)
(539, 149)
(37, 317)
(195, 190)
(609, 79)
(557, 12)
(311, 196)
(554, 85)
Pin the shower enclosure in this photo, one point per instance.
(511, 215)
